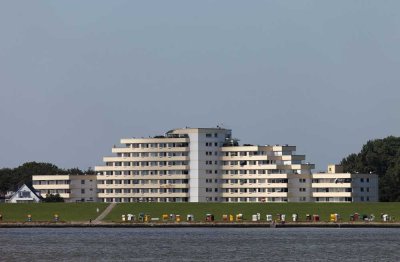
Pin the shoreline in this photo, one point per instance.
(200, 225)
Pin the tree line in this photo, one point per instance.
(12, 178)
(380, 156)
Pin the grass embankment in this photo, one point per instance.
(45, 211)
(199, 210)
(82, 212)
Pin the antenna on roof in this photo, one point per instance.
(220, 125)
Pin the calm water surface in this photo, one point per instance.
(199, 244)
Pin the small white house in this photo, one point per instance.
(24, 194)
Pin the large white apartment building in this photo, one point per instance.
(73, 188)
(208, 165)
(202, 165)
(337, 186)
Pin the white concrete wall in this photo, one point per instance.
(194, 167)
(89, 187)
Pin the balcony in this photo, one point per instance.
(331, 194)
(154, 140)
(51, 186)
(331, 185)
(249, 167)
(147, 159)
(331, 176)
(138, 168)
(108, 195)
(276, 194)
(150, 149)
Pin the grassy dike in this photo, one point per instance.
(199, 210)
(82, 212)
(41, 212)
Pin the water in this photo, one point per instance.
(199, 244)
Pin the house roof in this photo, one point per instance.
(34, 191)
(30, 188)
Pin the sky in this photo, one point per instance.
(77, 76)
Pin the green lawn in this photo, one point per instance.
(46, 211)
(86, 211)
(247, 209)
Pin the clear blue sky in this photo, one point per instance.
(76, 76)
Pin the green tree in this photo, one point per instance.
(381, 156)
(53, 198)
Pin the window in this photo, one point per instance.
(302, 180)
(83, 191)
(302, 189)
(24, 194)
(82, 182)
(215, 134)
(208, 135)
(362, 189)
(362, 180)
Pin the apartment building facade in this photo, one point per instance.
(264, 174)
(73, 188)
(202, 165)
(337, 186)
(208, 165)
